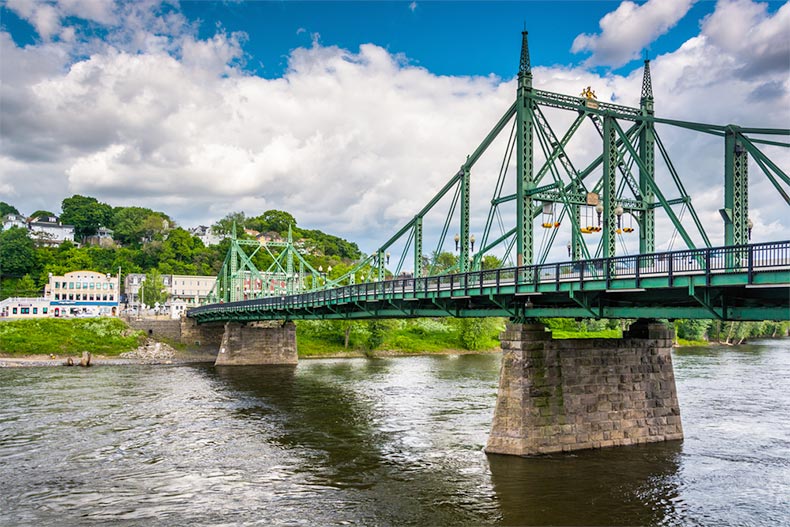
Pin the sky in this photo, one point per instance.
(352, 115)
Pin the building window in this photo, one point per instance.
(35, 311)
(71, 297)
(112, 298)
(25, 311)
(13, 311)
(91, 285)
(71, 285)
(57, 296)
(111, 285)
(44, 310)
(57, 285)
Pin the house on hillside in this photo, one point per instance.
(14, 220)
(102, 238)
(206, 235)
(47, 230)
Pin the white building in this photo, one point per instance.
(49, 231)
(206, 235)
(24, 308)
(83, 293)
(14, 220)
(190, 290)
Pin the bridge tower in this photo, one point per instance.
(524, 159)
(647, 146)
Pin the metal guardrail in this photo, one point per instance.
(749, 259)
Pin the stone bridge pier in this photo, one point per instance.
(257, 343)
(565, 395)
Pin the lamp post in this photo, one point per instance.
(457, 239)
(749, 226)
(472, 241)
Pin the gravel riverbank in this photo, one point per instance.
(151, 352)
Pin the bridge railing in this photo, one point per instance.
(749, 259)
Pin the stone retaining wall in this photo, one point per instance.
(564, 395)
(164, 328)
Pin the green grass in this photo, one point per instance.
(100, 336)
(601, 334)
(684, 342)
(309, 346)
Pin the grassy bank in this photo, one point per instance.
(101, 336)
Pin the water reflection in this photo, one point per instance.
(629, 486)
(358, 426)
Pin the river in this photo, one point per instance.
(394, 441)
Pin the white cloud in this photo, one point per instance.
(413, 7)
(47, 16)
(627, 30)
(352, 142)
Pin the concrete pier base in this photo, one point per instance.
(258, 343)
(565, 395)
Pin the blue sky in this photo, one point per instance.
(351, 115)
(448, 38)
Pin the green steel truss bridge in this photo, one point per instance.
(604, 198)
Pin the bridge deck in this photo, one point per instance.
(733, 283)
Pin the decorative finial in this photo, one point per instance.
(647, 83)
(524, 69)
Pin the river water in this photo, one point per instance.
(376, 442)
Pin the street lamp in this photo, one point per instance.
(599, 210)
(457, 239)
(569, 249)
(618, 210)
(749, 225)
(388, 257)
(472, 241)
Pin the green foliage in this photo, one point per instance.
(225, 225)
(152, 289)
(692, 329)
(17, 252)
(6, 208)
(272, 220)
(476, 333)
(328, 245)
(442, 262)
(568, 328)
(86, 214)
(133, 225)
(376, 328)
(105, 336)
(490, 262)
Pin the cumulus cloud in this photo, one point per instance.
(629, 29)
(350, 141)
(47, 16)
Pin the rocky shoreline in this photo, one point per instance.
(150, 352)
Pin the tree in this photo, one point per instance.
(225, 225)
(153, 289)
(17, 252)
(42, 214)
(442, 262)
(86, 214)
(5, 208)
(272, 220)
(134, 225)
(491, 262)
